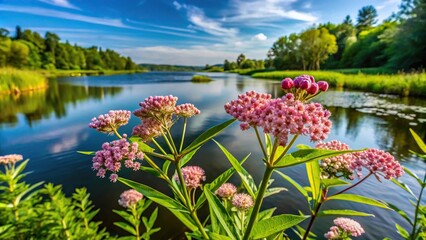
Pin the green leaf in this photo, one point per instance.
(346, 212)
(217, 236)
(187, 157)
(302, 146)
(141, 145)
(275, 190)
(419, 140)
(275, 224)
(306, 155)
(207, 135)
(265, 214)
(150, 170)
(413, 175)
(359, 199)
(166, 166)
(313, 171)
(402, 231)
(295, 184)
(126, 227)
(333, 182)
(268, 144)
(124, 214)
(246, 178)
(404, 186)
(401, 213)
(86, 152)
(218, 211)
(4, 205)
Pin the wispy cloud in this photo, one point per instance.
(199, 20)
(260, 37)
(162, 26)
(247, 11)
(60, 3)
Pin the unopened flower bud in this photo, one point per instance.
(287, 83)
(305, 84)
(313, 89)
(323, 86)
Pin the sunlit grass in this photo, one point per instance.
(16, 80)
(401, 84)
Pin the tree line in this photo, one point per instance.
(28, 49)
(398, 43)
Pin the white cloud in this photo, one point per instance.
(177, 5)
(252, 11)
(60, 3)
(260, 37)
(161, 26)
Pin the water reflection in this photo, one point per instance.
(38, 105)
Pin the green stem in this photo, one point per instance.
(171, 140)
(187, 202)
(288, 147)
(116, 133)
(161, 156)
(260, 142)
(259, 199)
(183, 134)
(274, 149)
(413, 232)
(136, 221)
(168, 142)
(311, 222)
(159, 146)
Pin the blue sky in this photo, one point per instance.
(182, 32)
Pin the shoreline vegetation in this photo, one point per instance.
(201, 79)
(16, 81)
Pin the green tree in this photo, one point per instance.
(5, 44)
(348, 20)
(316, 45)
(240, 59)
(4, 32)
(226, 65)
(367, 17)
(19, 53)
(248, 64)
(18, 33)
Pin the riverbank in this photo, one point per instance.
(17, 81)
(400, 84)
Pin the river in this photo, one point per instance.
(50, 127)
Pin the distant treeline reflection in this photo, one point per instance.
(38, 105)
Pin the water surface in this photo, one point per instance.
(49, 127)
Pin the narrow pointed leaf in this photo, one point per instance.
(359, 199)
(295, 184)
(401, 213)
(333, 182)
(86, 152)
(141, 145)
(275, 190)
(187, 158)
(402, 231)
(246, 178)
(344, 212)
(419, 141)
(207, 135)
(265, 214)
(275, 224)
(126, 227)
(413, 175)
(313, 171)
(217, 236)
(404, 186)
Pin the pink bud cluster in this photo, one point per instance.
(110, 122)
(242, 201)
(129, 198)
(374, 160)
(10, 159)
(345, 227)
(157, 112)
(304, 83)
(227, 190)
(112, 155)
(281, 116)
(379, 162)
(337, 166)
(192, 175)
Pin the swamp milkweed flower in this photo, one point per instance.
(129, 198)
(10, 159)
(227, 190)
(379, 162)
(112, 154)
(110, 122)
(242, 201)
(345, 227)
(192, 175)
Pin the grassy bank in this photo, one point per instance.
(401, 84)
(73, 73)
(16, 81)
(200, 79)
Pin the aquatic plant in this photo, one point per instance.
(235, 213)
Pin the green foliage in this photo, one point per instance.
(367, 17)
(15, 81)
(29, 212)
(201, 78)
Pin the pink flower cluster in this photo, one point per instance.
(344, 227)
(186, 110)
(376, 161)
(192, 175)
(227, 190)
(10, 159)
(242, 201)
(342, 165)
(112, 155)
(111, 121)
(305, 83)
(129, 198)
(281, 116)
(157, 113)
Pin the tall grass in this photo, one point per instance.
(401, 84)
(16, 80)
